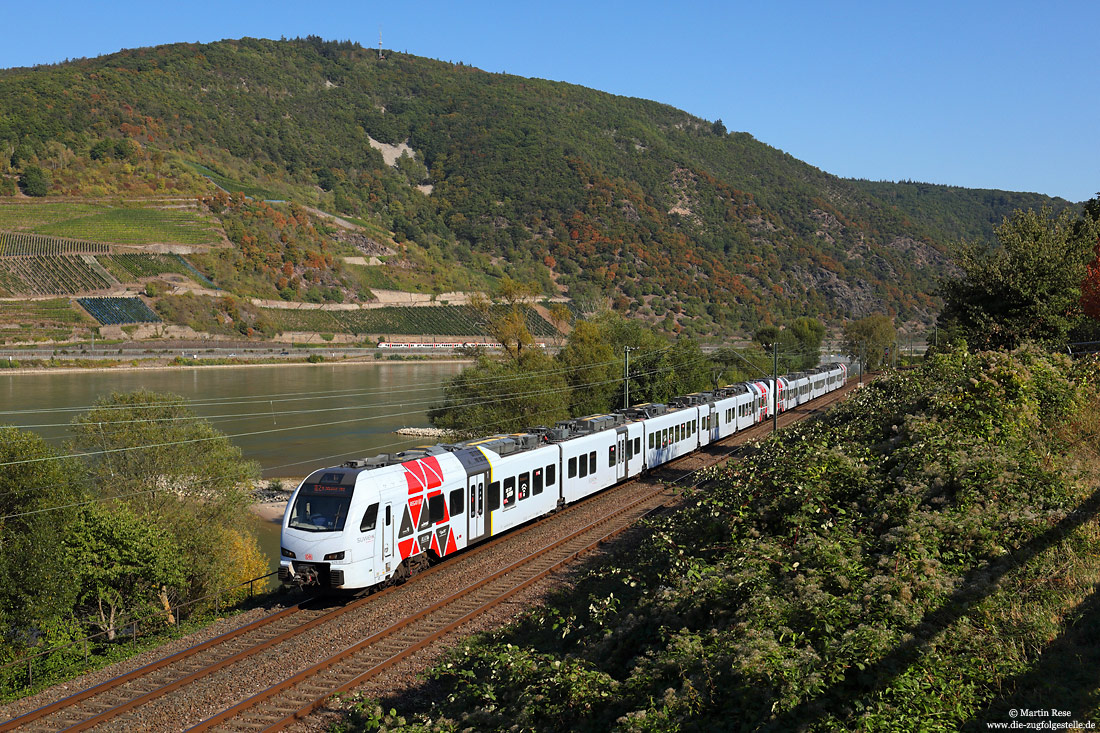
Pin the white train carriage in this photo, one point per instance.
(800, 388)
(590, 460)
(520, 479)
(702, 404)
(669, 434)
(837, 375)
(817, 383)
(733, 405)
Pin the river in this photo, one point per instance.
(290, 419)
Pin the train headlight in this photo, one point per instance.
(286, 553)
(335, 555)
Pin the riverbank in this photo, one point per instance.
(168, 364)
(270, 501)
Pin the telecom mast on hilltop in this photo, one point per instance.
(380, 55)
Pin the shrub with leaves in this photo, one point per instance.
(909, 562)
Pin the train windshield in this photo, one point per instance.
(320, 508)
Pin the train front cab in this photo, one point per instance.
(333, 530)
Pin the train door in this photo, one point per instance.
(387, 536)
(478, 525)
(620, 455)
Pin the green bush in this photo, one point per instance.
(887, 567)
(34, 181)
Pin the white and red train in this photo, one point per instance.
(369, 522)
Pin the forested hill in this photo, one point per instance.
(669, 216)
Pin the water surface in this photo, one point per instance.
(291, 419)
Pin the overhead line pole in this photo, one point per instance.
(626, 376)
(775, 386)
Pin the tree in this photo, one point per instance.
(591, 367)
(766, 336)
(122, 563)
(1090, 286)
(505, 315)
(38, 494)
(174, 470)
(34, 181)
(1026, 289)
(810, 332)
(506, 395)
(868, 339)
(560, 318)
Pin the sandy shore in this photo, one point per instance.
(269, 511)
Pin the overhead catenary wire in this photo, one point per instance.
(323, 394)
(221, 436)
(259, 400)
(149, 491)
(497, 399)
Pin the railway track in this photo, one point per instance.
(129, 701)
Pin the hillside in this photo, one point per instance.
(466, 176)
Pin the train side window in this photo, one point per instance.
(536, 481)
(629, 449)
(573, 467)
(389, 517)
(551, 475)
(509, 492)
(494, 495)
(651, 441)
(437, 508)
(524, 485)
(592, 462)
(584, 467)
(637, 446)
(370, 519)
(457, 507)
(611, 456)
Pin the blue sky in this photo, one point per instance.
(979, 94)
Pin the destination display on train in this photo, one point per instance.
(323, 489)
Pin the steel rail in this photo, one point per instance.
(158, 664)
(455, 598)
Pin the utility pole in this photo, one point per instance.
(626, 375)
(775, 386)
